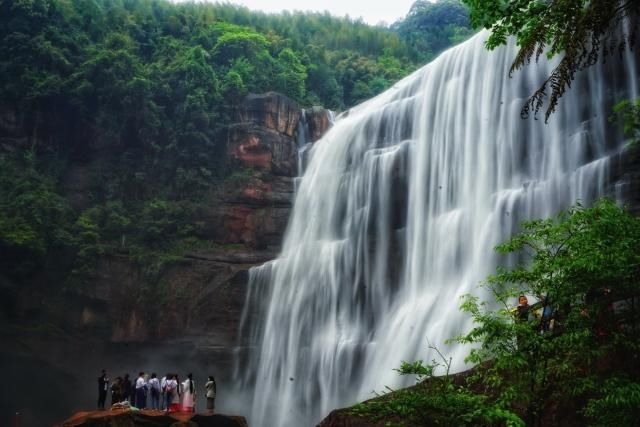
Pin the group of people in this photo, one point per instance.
(149, 392)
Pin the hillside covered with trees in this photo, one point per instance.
(141, 92)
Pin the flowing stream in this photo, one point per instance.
(396, 217)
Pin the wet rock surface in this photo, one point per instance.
(318, 122)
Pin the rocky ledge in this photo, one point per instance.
(151, 419)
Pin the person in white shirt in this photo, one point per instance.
(210, 386)
(189, 394)
(141, 388)
(163, 389)
(173, 394)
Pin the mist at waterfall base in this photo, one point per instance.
(396, 217)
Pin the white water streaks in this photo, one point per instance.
(397, 215)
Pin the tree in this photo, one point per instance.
(581, 264)
(581, 31)
(431, 27)
(34, 218)
(112, 87)
(290, 74)
(629, 115)
(233, 87)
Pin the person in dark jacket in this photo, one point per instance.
(116, 388)
(125, 390)
(103, 386)
(522, 310)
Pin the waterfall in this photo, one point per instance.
(397, 215)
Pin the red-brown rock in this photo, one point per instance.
(261, 148)
(318, 122)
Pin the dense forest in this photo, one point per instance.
(142, 93)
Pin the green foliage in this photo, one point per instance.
(629, 113)
(581, 263)
(436, 400)
(452, 406)
(33, 217)
(290, 74)
(578, 30)
(233, 86)
(154, 233)
(240, 177)
(618, 404)
(431, 27)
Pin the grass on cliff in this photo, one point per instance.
(434, 400)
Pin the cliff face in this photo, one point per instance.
(185, 316)
(199, 299)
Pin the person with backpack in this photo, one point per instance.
(154, 391)
(210, 387)
(173, 394)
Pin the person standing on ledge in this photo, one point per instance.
(189, 394)
(116, 389)
(154, 391)
(141, 386)
(103, 386)
(173, 391)
(163, 392)
(210, 386)
(125, 393)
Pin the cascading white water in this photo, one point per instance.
(396, 217)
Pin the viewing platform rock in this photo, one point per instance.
(150, 418)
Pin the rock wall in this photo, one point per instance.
(183, 317)
(200, 299)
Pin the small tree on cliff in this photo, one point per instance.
(586, 263)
